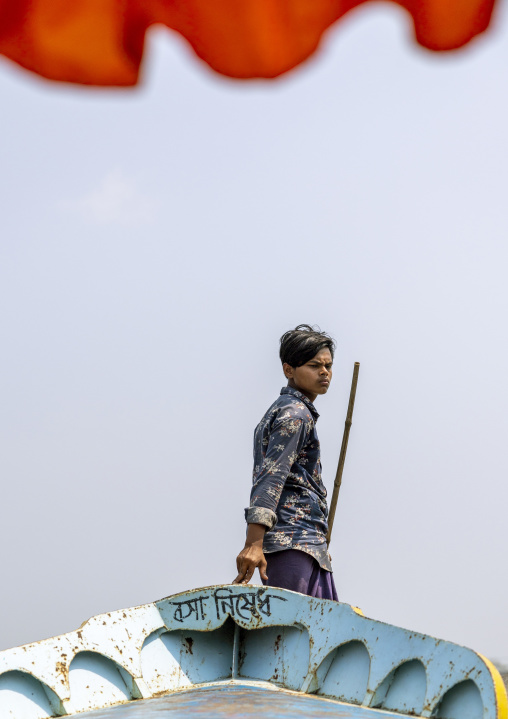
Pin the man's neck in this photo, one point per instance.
(309, 395)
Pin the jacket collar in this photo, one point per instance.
(302, 398)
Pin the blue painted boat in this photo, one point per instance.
(229, 650)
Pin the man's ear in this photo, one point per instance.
(288, 370)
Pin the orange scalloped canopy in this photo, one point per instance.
(100, 42)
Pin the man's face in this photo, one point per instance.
(313, 377)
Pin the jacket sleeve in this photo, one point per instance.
(286, 440)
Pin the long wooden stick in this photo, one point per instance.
(343, 450)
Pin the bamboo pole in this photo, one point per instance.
(343, 450)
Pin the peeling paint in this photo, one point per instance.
(230, 633)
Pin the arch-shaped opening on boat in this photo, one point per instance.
(463, 701)
(183, 657)
(344, 673)
(403, 690)
(97, 681)
(278, 654)
(23, 695)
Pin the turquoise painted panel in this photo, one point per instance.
(408, 672)
(345, 673)
(234, 635)
(275, 654)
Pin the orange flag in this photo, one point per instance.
(100, 42)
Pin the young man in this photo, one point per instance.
(287, 517)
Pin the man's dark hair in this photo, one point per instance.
(300, 345)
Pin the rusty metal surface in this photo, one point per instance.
(251, 634)
(233, 702)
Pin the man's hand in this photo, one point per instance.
(252, 556)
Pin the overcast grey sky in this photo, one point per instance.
(155, 245)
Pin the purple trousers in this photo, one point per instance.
(298, 571)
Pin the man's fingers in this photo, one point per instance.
(245, 572)
(242, 566)
(247, 566)
(262, 571)
(251, 568)
(243, 577)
